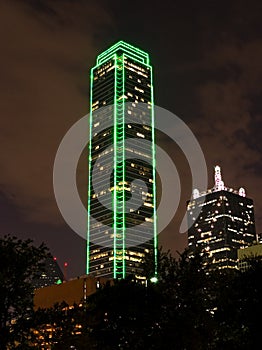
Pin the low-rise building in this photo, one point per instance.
(246, 253)
(74, 291)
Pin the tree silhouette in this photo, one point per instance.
(190, 307)
(20, 263)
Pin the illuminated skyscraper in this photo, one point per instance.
(225, 224)
(121, 228)
(51, 275)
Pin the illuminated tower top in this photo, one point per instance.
(224, 223)
(135, 53)
(218, 186)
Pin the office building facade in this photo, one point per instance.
(225, 224)
(121, 150)
(51, 275)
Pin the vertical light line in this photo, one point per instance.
(123, 171)
(89, 173)
(154, 171)
(115, 168)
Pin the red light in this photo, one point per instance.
(65, 264)
(55, 258)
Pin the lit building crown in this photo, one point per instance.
(122, 46)
(220, 221)
(218, 186)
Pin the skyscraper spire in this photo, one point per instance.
(219, 183)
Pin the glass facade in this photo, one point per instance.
(52, 274)
(121, 184)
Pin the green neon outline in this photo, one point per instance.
(115, 162)
(124, 173)
(89, 173)
(119, 125)
(112, 56)
(119, 106)
(142, 56)
(154, 172)
(134, 59)
(123, 45)
(153, 164)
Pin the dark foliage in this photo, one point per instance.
(190, 307)
(20, 263)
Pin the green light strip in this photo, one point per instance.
(154, 171)
(115, 163)
(155, 235)
(153, 164)
(134, 59)
(123, 46)
(142, 56)
(124, 175)
(89, 174)
(118, 196)
(112, 56)
(134, 56)
(119, 170)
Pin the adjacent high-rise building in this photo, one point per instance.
(51, 275)
(225, 224)
(122, 179)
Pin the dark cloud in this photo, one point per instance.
(47, 49)
(229, 116)
(43, 65)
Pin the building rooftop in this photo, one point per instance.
(131, 50)
(218, 186)
(74, 291)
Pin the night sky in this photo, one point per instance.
(207, 59)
